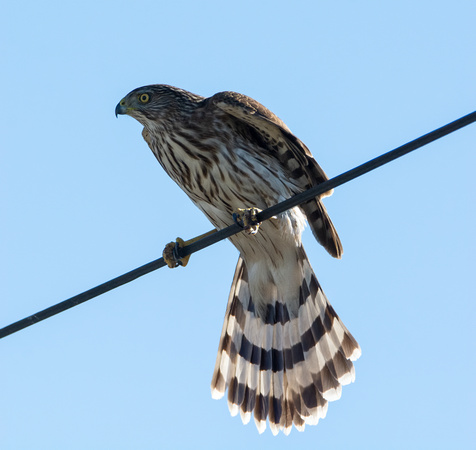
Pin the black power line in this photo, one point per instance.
(233, 229)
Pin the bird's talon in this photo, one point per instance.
(247, 219)
(171, 254)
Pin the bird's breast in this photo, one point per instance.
(224, 172)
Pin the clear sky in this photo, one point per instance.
(83, 200)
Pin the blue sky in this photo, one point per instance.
(83, 200)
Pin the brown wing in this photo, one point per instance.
(289, 149)
(293, 155)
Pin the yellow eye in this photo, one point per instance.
(144, 98)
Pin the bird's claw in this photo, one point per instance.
(171, 254)
(247, 219)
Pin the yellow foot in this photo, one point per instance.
(171, 251)
(246, 218)
(170, 254)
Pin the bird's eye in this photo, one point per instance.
(144, 98)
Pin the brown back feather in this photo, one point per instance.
(292, 153)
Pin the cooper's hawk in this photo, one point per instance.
(284, 352)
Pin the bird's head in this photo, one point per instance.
(156, 102)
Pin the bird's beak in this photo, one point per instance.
(121, 108)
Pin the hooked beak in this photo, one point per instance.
(121, 108)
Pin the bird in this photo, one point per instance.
(283, 353)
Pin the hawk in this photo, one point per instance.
(284, 353)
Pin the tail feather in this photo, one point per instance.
(277, 381)
(284, 367)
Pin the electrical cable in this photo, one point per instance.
(233, 229)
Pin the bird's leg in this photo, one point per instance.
(171, 251)
(246, 218)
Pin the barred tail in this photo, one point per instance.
(286, 366)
